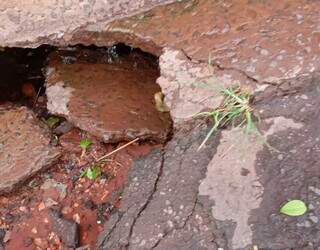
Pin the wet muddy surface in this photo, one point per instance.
(48, 203)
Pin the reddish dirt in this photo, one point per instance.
(25, 215)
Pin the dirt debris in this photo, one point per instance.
(67, 230)
(25, 213)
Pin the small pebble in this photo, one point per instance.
(34, 230)
(314, 219)
(50, 202)
(23, 209)
(41, 206)
(66, 210)
(63, 128)
(7, 237)
(43, 244)
(76, 218)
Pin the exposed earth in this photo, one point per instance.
(128, 77)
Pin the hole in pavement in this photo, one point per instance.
(21, 74)
(122, 76)
(21, 69)
(112, 90)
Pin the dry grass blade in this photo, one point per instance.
(118, 149)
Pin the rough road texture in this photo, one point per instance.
(236, 204)
(111, 100)
(36, 21)
(293, 172)
(160, 208)
(24, 147)
(243, 35)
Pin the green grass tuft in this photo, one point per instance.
(235, 108)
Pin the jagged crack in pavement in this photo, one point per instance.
(160, 207)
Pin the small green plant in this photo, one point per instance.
(234, 107)
(52, 121)
(294, 208)
(92, 172)
(84, 144)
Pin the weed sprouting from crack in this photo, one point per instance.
(235, 109)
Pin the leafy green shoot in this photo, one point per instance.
(92, 172)
(52, 121)
(235, 107)
(85, 143)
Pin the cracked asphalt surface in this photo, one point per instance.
(242, 186)
(160, 207)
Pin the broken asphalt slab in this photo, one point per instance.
(111, 100)
(67, 230)
(24, 147)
